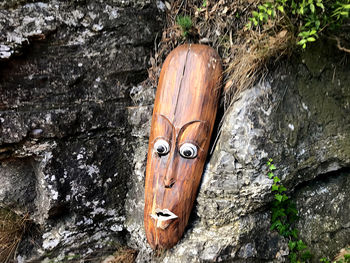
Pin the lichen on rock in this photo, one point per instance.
(75, 115)
(66, 70)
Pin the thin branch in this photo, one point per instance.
(340, 47)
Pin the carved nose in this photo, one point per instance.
(169, 179)
(168, 183)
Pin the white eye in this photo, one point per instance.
(188, 150)
(161, 147)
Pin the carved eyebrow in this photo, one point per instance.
(184, 127)
(172, 126)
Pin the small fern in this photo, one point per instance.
(185, 23)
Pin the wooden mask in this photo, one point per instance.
(182, 123)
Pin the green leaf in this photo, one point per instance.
(278, 214)
(293, 257)
(320, 5)
(282, 229)
(306, 255)
(272, 167)
(291, 210)
(317, 24)
(276, 224)
(292, 245)
(274, 187)
(307, 24)
(264, 17)
(284, 197)
(304, 34)
(312, 8)
(302, 42)
(270, 175)
(311, 39)
(278, 197)
(282, 189)
(301, 245)
(294, 233)
(276, 179)
(281, 9)
(262, 8)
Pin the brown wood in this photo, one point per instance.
(184, 112)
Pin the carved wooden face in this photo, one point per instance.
(183, 119)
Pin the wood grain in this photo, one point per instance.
(184, 112)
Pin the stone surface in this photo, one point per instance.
(324, 207)
(299, 118)
(66, 71)
(74, 125)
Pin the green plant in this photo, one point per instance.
(346, 259)
(284, 214)
(185, 23)
(203, 5)
(307, 19)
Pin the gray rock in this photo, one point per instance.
(66, 72)
(19, 173)
(324, 207)
(74, 126)
(302, 121)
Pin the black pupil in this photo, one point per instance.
(161, 149)
(187, 153)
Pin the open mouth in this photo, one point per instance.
(162, 215)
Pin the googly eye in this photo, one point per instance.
(161, 147)
(188, 150)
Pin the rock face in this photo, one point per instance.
(66, 71)
(74, 125)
